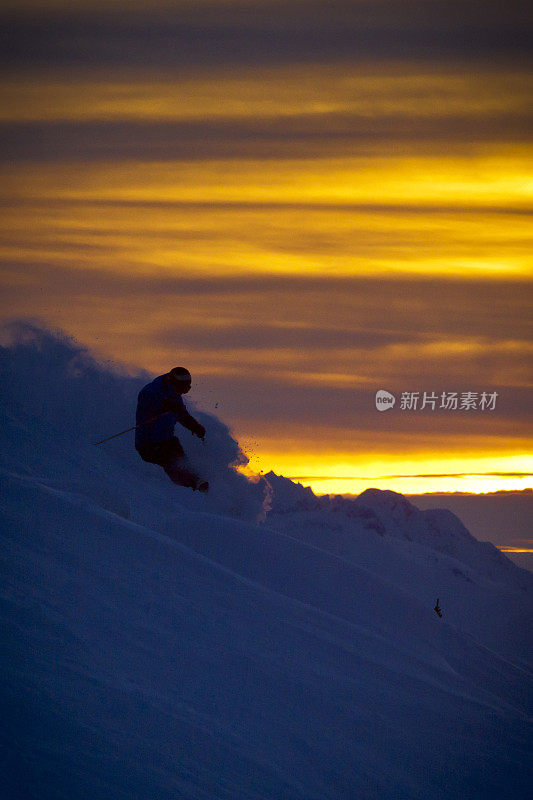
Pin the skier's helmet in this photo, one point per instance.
(180, 374)
(180, 379)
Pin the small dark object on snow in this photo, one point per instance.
(438, 609)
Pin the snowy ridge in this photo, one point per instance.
(157, 646)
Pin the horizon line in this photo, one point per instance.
(419, 475)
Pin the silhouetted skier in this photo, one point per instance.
(159, 407)
(438, 609)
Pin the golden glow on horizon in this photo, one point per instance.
(387, 471)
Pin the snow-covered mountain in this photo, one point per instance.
(257, 643)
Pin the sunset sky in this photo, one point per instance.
(303, 202)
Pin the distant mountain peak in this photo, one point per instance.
(387, 499)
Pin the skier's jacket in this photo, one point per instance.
(159, 399)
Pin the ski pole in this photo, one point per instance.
(129, 429)
(133, 429)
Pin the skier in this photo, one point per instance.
(159, 407)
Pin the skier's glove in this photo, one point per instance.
(199, 431)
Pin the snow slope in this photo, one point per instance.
(155, 647)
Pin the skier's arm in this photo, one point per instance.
(189, 422)
(177, 406)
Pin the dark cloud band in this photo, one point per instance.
(264, 32)
(287, 137)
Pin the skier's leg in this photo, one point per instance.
(179, 470)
